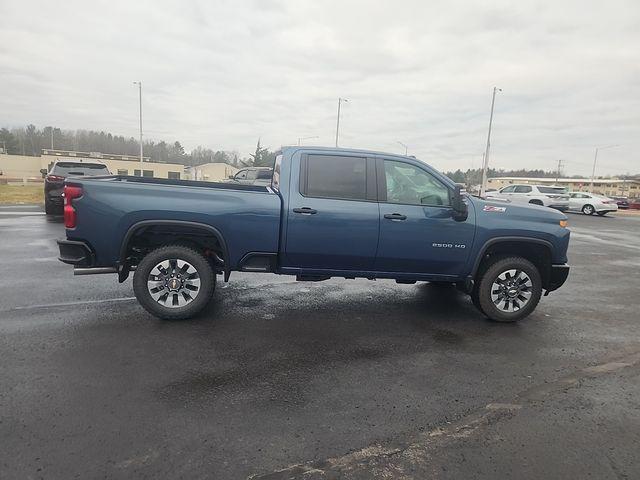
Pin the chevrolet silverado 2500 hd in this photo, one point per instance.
(328, 212)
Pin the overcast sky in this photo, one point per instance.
(223, 73)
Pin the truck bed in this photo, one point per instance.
(247, 215)
(184, 183)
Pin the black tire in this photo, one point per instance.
(205, 275)
(50, 209)
(602, 214)
(475, 299)
(536, 202)
(499, 266)
(588, 209)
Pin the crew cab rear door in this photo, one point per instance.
(333, 215)
(418, 233)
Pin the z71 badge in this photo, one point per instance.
(494, 208)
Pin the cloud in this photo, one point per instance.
(223, 73)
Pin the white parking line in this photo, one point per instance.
(21, 214)
(71, 304)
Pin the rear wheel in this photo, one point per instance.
(509, 289)
(174, 282)
(536, 202)
(588, 209)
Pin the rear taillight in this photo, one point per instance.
(54, 178)
(70, 193)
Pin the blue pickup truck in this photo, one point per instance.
(328, 212)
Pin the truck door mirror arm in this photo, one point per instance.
(460, 208)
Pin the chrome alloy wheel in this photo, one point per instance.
(173, 283)
(511, 290)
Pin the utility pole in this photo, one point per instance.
(560, 161)
(485, 163)
(595, 159)
(406, 149)
(140, 97)
(340, 100)
(51, 138)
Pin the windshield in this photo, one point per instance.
(74, 168)
(552, 190)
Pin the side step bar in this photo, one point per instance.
(96, 270)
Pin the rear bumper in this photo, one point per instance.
(557, 277)
(75, 253)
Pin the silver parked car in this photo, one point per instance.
(590, 203)
(543, 195)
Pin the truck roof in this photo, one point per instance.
(345, 150)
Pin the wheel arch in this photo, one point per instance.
(183, 225)
(536, 250)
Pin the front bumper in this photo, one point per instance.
(75, 253)
(557, 276)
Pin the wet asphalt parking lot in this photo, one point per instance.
(336, 379)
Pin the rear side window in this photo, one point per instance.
(74, 168)
(557, 190)
(275, 181)
(329, 176)
(264, 174)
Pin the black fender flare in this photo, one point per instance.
(180, 223)
(494, 240)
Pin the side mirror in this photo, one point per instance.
(231, 177)
(460, 209)
(44, 172)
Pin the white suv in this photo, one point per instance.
(543, 195)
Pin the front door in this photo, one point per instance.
(332, 216)
(417, 231)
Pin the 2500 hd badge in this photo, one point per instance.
(448, 245)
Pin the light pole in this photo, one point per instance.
(140, 96)
(51, 138)
(340, 100)
(305, 138)
(595, 159)
(560, 162)
(406, 149)
(485, 162)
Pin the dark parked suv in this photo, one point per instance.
(54, 181)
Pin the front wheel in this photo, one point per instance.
(509, 289)
(174, 282)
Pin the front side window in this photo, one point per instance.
(408, 184)
(252, 174)
(331, 176)
(508, 189)
(522, 189)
